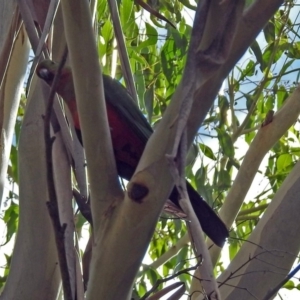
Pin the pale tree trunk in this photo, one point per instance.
(14, 51)
(34, 272)
(268, 255)
(34, 267)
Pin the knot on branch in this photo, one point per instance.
(137, 192)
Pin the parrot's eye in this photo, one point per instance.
(45, 74)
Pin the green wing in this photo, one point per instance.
(118, 96)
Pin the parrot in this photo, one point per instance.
(130, 132)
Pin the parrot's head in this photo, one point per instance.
(47, 70)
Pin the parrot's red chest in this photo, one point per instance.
(127, 146)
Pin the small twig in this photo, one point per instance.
(168, 289)
(227, 284)
(52, 204)
(161, 281)
(153, 12)
(231, 275)
(177, 165)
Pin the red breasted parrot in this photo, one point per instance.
(130, 132)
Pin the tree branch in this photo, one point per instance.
(101, 164)
(59, 230)
(178, 173)
(265, 138)
(126, 68)
(278, 228)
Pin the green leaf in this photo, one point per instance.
(142, 288)
(152, 37)
(126, 12)
(188, 4)
(152, 276)
(180, 40)
(134, 55)
(224, 181)
(223, 109)
(294, 50)
(102, 7)
(178, 226)
(269, 31)
(11, 218)
(269, 105)
(207, 151)
(107, 31)
(14, 163)
(282, 95)
(149, 98)
(284, 161)
(274, 51)
(249, 101)
(181, 259)
(295, 151)
(225, 142)
(258, 54)
(286, 66)
(200, 176)
(289, 285)
(165, 66)
(250, 68)
(233, 247)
